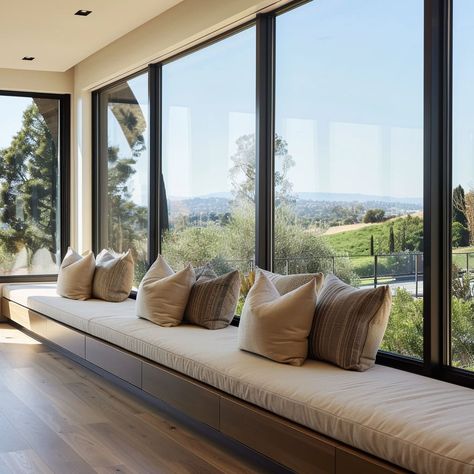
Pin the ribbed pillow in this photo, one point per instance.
(163, 294)
(349, 324)
(113, 277)
(75, 275)
(277, 326)
(212, 301)
(286, 283)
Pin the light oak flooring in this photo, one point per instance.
(57, 416)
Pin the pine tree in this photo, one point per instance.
(391, 242)
(28, 187)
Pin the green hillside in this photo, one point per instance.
(407, 232)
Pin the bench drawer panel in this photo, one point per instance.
(25, 317)
(349, 460)
(192, 398)
(67, 338)
(115, 361)
(272, 436)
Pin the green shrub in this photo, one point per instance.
(404, 333)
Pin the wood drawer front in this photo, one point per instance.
(67, 338)
(115, 361)
(348, 460)
(272, 436)
(25, 317)
(191, 398)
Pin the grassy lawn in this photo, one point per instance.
(357, 241)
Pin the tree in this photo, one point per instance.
(374, 215)
(460, 222)
(459, 235)
(243, 171)
(469, 200)
(28, 187)
(127, 222)
(391, 241)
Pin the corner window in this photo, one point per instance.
(30, 185)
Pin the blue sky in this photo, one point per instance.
(349, 102)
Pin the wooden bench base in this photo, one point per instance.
(281, 440)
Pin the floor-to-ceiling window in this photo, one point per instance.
(123, 213)
(30, 187)
(349, 150)
(462, 294)
(208, 155)
(341, 114)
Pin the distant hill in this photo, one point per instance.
(350, 197)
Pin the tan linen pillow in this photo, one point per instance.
(277, 326)
(75, 275)
(349, 324)
(163, 294)
(113, 277)
(212, 301)
(286, 283)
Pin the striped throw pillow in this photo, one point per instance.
(212, 301)
(349, 324)
(113, 277)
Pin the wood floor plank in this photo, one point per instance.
(23, 462)
(149, 436)
(57, 416)
(11, 440)
(56, 453)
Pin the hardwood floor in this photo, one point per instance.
(57, 416)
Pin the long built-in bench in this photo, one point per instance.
(315, 418)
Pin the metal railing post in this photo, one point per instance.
(416, 276)
(375, 270)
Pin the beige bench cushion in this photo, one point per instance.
(421, 424)
(42, 297)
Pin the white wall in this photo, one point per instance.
(188, 23)
(37, 81)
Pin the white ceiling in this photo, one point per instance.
(49, 30)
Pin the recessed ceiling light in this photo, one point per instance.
(83, 12)
(28, 58)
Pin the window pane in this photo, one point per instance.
(124, 215)
(209, 155)
(29, 186)
(349, 150)
(462, 302)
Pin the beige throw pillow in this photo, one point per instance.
(163, 294)
(113, 277)
(277, 326)
(349, 324)
(212, 301)
(286, 283)
(75, 275)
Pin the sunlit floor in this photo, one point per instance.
(58, 417)
(10, 335)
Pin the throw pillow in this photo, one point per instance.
(277, 326)
(75, 275)
(113, 277)
(286, 283)
(212, 301)
(163, 294)
(349, 324)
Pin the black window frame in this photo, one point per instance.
(64, 178)
(437, 157)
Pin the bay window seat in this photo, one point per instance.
(416, 423)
